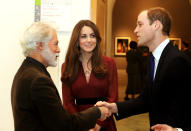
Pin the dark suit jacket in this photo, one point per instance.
(167, 99)
(37, 106)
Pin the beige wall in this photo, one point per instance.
(93, 10)
(99, 17)
(14, 19)
(125, 13)
(101, 14)
(110, 5)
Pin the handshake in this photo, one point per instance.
(106, 109)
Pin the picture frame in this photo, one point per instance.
(122, 45)
(176, 42)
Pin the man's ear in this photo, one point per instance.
(157, 25)
(39, 45)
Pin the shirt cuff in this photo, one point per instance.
(179, 129)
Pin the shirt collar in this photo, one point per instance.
(158, 51)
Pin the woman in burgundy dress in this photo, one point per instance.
(87, 76)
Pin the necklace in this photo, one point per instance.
(87, 70)
(87, 73)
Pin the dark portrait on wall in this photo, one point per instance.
(121, 45)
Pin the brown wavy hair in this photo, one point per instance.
(71, 65)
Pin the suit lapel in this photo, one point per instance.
(161, 61)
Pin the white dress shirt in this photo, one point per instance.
(157, 53)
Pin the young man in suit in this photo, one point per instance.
(167, 95)
(35, 100)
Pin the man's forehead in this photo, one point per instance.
(143, 14)
(142, 17)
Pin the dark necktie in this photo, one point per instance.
(152, 66)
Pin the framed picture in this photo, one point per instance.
(176, 42)
(121, 45)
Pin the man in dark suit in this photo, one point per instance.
(35, 100)
(167, 95)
